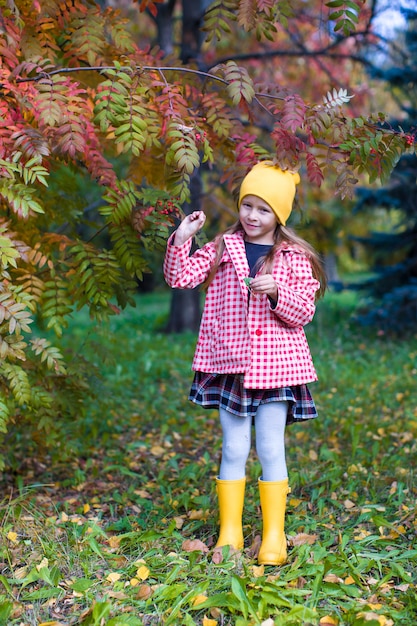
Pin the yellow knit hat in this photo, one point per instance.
(273, 185)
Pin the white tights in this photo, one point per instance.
(270, 423)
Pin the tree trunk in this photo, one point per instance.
(164, 25)
(330, 266)
(185, 311)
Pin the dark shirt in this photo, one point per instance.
(254, 253)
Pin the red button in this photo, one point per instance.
(258, 332)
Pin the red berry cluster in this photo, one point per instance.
(200, 136)
(165, 208)
(410, 139)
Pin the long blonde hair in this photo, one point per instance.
(282, 235)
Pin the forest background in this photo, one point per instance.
(114, 121)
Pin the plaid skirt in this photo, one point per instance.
(227, 391)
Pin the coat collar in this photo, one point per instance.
(235, 245)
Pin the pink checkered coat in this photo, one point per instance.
(246, 335)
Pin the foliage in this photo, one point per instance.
(123, 533)
(391, 301)
(79, 95)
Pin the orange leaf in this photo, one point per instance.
(144, 592)
(302, 538)
(194, 545)
(328, 621)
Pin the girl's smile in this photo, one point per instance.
(258, 220)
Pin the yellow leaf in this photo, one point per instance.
(198, 599)
(179, 521)
(294, 502)
(328, 621)
(134, 582)
(198, 514)
(209, 622)
(114, 542)
(349, 580)
(11, 536)
(313, 455)
(157, 450)
(258, 570)
(64, 517)
(42, 564)
(143, 572)
(53, 623)
(362, 534)
(86, 508)
(113, 577)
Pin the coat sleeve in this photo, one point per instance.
(183, 271)
(296, 290)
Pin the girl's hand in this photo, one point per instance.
(265, 284)
(189, 226)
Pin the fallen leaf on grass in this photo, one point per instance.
(209, 622)
(20, 572)
(254, 549)
(198, 599)
(179, 521)
(198, 514)
(142, 572)
(142, 493)
(144, 592)
(258, 570)
(332, 578)
(328, 621)
(370, 616)
(11, 536)
(217, 556)
(113, 577)
(42, 564)
(301, 539)
(194, 545)
(114, 542)
(157, 450)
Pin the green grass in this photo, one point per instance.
(100, 539)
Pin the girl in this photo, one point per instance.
(252, 360)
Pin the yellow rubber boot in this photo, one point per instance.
(231, 494)
(273, 496)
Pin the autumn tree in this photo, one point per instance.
(99, 140)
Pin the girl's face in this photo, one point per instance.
(258, 220)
